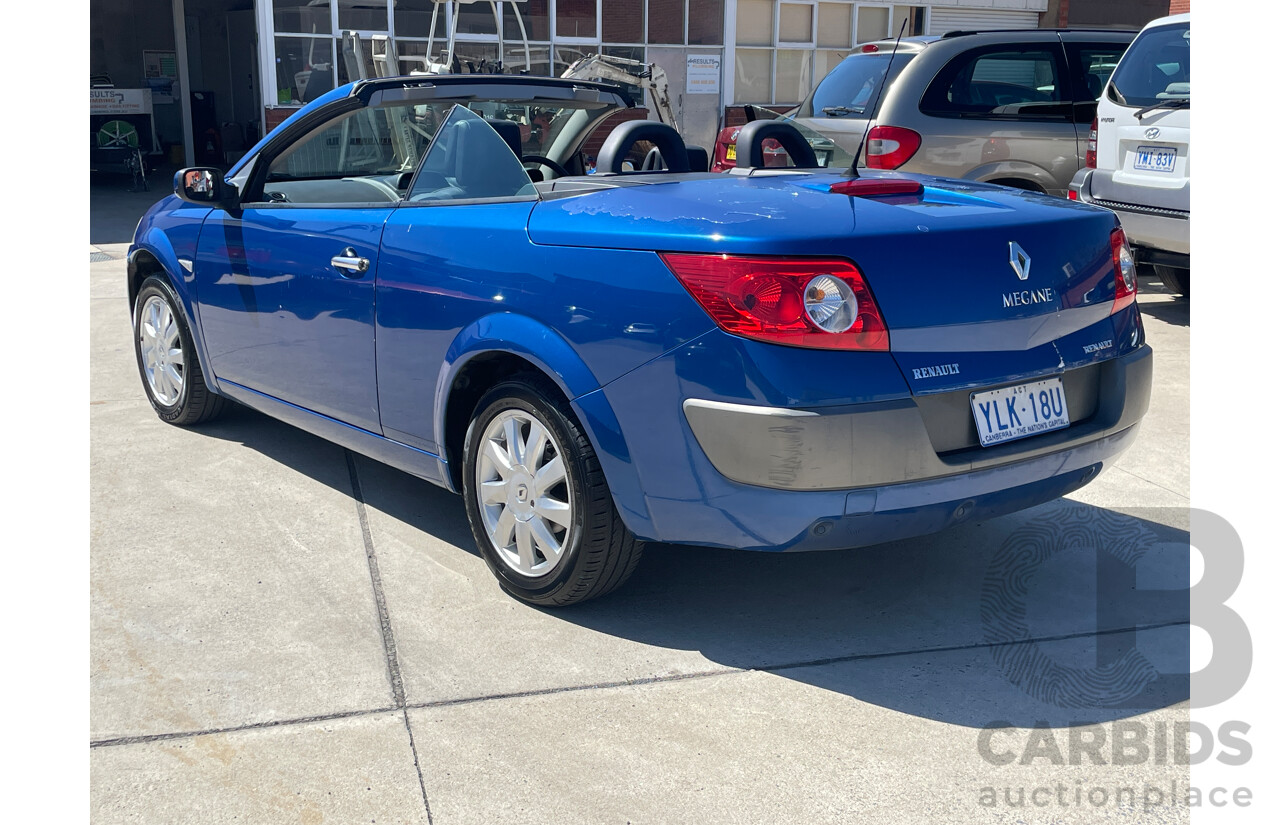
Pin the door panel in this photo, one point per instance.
(1091, 65)
(280, 318)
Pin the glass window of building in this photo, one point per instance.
(536, 15)
(301, 16)
(622, 21)
(795, 23)
(706, 22)
(873, 23)
(476, 18)
(413, 18)
(666, 21)
(362, 15)
(755, 23)
(752, 76)
(576, 18)
(835, 25)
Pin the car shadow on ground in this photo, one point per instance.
(1027, 619)
(1176, 312)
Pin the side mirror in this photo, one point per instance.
(205, 186)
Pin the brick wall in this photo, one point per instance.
(277, 115)
(1179, 6)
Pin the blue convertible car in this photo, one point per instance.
(418, 269)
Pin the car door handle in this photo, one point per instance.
(353, 264)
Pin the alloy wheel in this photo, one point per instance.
(523, 491)
(163, 362)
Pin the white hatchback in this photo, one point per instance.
(1138, 162)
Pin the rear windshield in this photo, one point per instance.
(852, 85)
(1156, 68)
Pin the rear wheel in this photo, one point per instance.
(167, 359)
(539, 507)
(1174, 279)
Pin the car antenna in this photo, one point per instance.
(853, 169)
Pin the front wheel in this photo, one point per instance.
(167, 359)
(1175, 280)
(537, 500)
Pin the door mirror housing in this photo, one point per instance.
(205, 186)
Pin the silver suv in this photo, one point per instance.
(1007, 107)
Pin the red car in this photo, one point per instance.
(725, 154)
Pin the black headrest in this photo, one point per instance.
(699, 160)
(1095, 85)
(755, 133)
(620, 141)
(508, 131)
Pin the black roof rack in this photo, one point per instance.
(964, 32)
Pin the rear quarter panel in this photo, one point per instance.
(458, 281)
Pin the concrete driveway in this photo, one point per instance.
(285, 632)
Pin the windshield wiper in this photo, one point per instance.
(1171, 103)
(840, 111)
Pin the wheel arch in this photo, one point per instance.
(1018, 174)
(153, 254)
(502, 345)
(490, 349)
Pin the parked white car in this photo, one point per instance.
(1138, 162)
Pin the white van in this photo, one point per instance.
(1138, 162)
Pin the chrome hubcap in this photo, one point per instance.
(161, 347)
(525, 502)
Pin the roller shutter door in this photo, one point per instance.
(942, 21)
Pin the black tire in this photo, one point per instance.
(600, 552)
(195, 403)
(1175, 280)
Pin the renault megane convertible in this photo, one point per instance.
(773, 359)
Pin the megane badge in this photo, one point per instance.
(1152, 133)
(1020, 261)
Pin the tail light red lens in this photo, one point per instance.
(1125, 271)
(1091, 152)
(801, 302)
(888, 147)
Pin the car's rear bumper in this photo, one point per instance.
(730, 475)
(869, 445)
(1157, 228)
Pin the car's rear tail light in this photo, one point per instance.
(803, 302)
(872, 187)
(1091, 152)
(870, 48)
(888, 147)
(1073, 195)
(1125, 271)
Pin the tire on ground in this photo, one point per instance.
(600, 553)
(1174, 279)
(195, 402)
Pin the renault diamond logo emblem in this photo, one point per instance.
(1152, 133)
(1020, 261)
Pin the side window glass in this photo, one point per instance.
(470, 160)
(1020, 84)
(365, 156)
(1095, 64)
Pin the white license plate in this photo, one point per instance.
(1154, 158)
(1017, 412)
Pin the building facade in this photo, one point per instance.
(251, 63)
